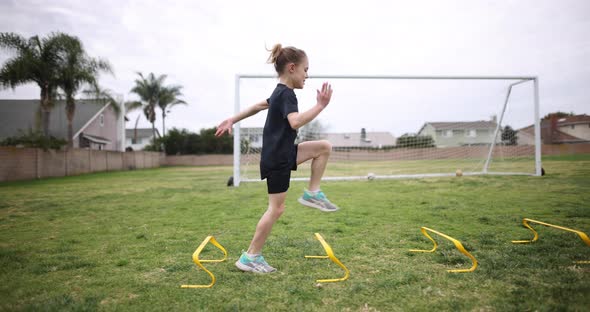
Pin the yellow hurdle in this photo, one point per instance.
(457, 244)
(198, 262)
(330, 255)
(526, 222)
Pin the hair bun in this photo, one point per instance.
(274, 53)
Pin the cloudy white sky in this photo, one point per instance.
(202, 45)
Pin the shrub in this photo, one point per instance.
(34, 139)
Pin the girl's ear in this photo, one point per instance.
(291, 67)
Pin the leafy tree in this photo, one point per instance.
(210, 144)
(183, 142)
(558, 114)
(36, 61)
(77, 69)
(176, 141)
(509, 136)
(415, 141)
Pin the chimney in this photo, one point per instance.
(553, 129)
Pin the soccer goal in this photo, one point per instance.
(384, 127)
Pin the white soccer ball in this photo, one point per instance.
(371, 176)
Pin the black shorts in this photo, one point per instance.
(278, 181)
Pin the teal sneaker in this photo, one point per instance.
(319, 201)
(255, 265)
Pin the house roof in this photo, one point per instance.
(531, 129)
(557, 135)
(458, 125)
(251, 130)
(572, 120)
(142, 133)
(560, 136)
(23, 115)
(350, 139)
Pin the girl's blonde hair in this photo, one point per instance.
(280, 57)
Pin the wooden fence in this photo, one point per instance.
(34, 163)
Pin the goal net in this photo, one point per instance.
(405, 126)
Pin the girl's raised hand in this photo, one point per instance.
(324, 95)
(224, 126)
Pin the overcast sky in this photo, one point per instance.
(202, 45)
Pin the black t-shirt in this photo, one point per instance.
(278, 149)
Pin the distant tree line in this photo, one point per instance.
(558, 114)
(184, 142)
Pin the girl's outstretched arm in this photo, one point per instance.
(298, 120)
(226, 125)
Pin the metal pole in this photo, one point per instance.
(237, 150)
(537, 129)
(490, 152)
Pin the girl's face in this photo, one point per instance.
(298, 73)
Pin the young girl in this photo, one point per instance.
(280, 154)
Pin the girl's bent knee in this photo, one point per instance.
(326, 146)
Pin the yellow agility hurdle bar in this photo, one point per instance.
(457, 244)
(526, 221)
(198, 262)
(330, 255)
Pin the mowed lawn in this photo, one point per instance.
(124, 240)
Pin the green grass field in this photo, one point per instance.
(124, 241)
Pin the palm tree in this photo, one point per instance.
(36, 60)
(148, 89)
(129, 107)
(77, 69)
(167, 99)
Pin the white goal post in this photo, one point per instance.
(498, 156)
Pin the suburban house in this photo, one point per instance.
(339, 140)
(138, 139)
(564, 130)
(96, 124)
(253, 135)
(461, 133)
(349, 140)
